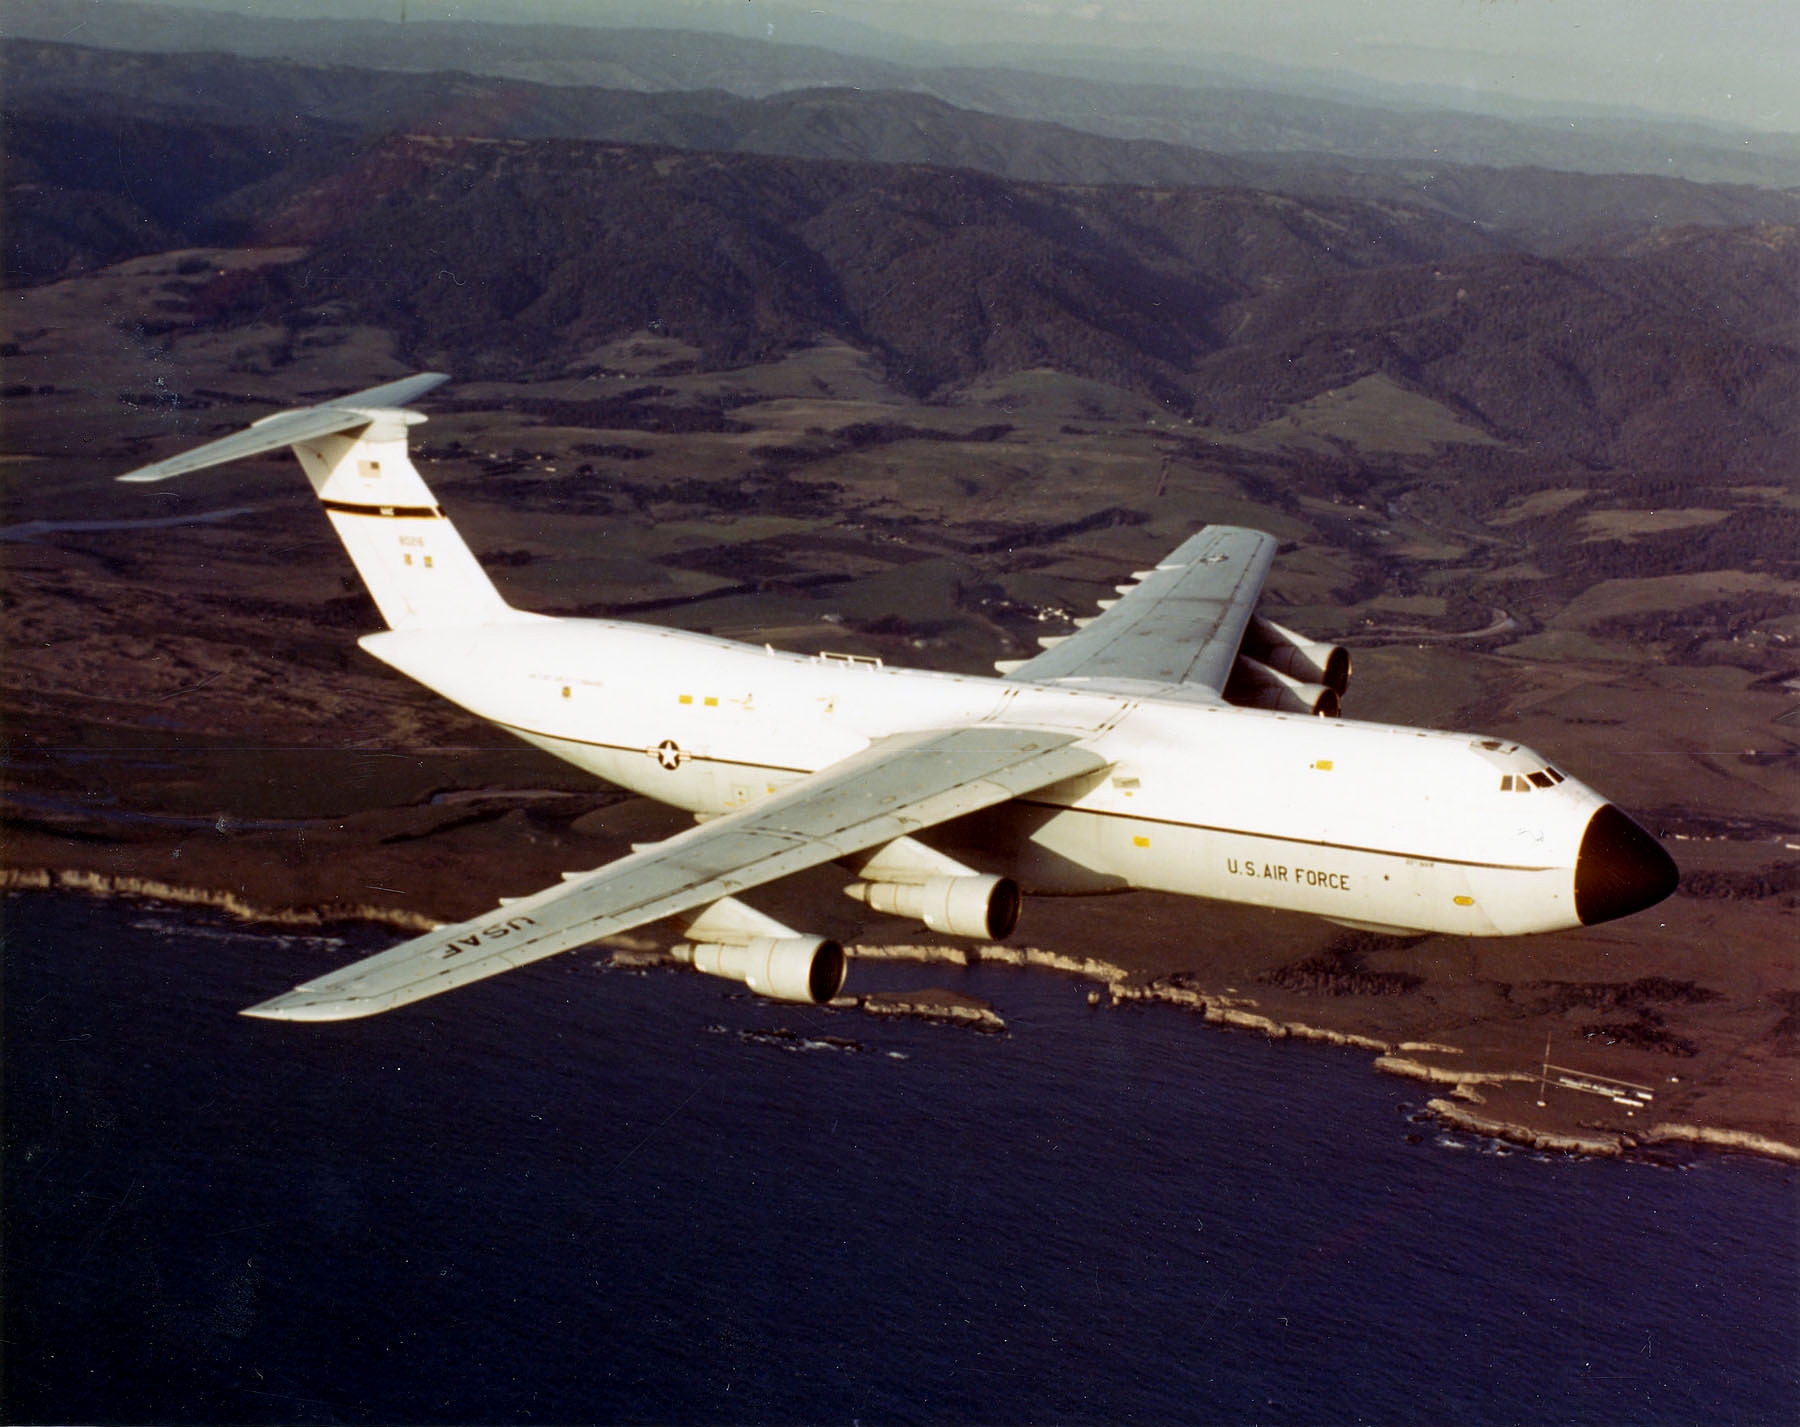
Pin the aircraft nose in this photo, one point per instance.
(1620, 869)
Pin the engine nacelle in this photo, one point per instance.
(1309, 661)
(1255, 685)
(973, 906)
(792, 968)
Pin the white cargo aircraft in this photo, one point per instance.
(1170, 744)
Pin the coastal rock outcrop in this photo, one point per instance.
(100, 884)
(1090, 967)
(1229, 1011)
(934, 1003)
(1724, 1139)
(1437, 1075)
(1605, 1145)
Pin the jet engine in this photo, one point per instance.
(790, 968)
(907, 878)
(974, 905)
(734, 940)
(1310, 661)
(1254, 685)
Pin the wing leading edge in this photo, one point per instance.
(1181, 623)
(896, 786)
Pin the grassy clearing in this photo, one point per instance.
(1666, 592)
(1565, 645)
(1769, 495)
(1624, 524)
(636, 354)
(1423, 606)
(1047, 397)
(1374, 413)
(1540, 503)
(1507, 574)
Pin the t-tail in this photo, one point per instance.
(353, 449)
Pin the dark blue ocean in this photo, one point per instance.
(570, 1195)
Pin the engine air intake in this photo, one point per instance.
(801, 968)
(975, 906)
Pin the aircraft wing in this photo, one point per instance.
(895, 786)
(272, 433)
(1181, 623)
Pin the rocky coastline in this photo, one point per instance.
(1396, 1058)
(1115, 986)
(101, 884)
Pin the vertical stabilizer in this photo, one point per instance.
(353, 449)
(417, 567)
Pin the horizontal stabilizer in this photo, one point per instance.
(393, 393)
(309, 423)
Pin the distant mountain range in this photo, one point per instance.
(1539, 208)
(1224, 118)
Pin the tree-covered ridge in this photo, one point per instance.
(1228, 305)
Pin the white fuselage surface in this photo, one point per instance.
(1367, 824)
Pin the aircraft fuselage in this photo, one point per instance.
(1367, 824)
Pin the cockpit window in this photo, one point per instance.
(1525, 782)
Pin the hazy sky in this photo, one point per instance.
(1730, 60)
(1726, 59)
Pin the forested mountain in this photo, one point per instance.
(91, 184)
(514, 258)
